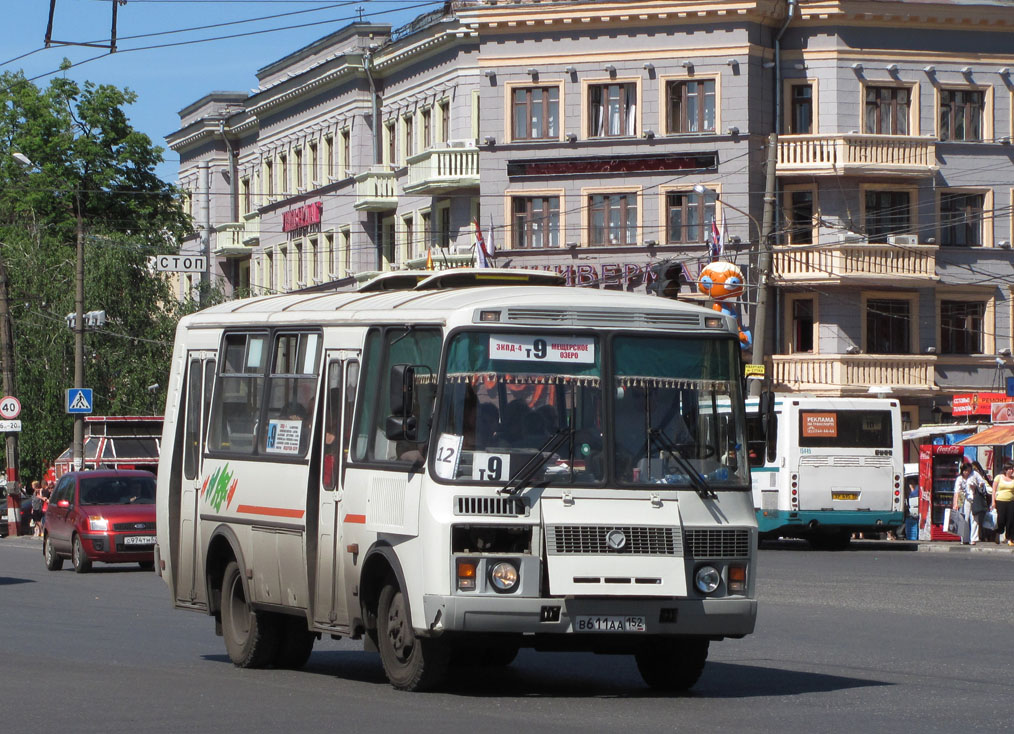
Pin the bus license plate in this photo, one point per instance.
(139, 540)
(609, 624)
(844, 495)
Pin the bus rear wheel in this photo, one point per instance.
(411, 663)
(295, 644)
(251, 637)
(672, 665)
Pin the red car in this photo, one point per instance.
(106, 516)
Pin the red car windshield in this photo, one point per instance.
(117, 491)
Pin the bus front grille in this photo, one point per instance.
(595, 540)
(722, 543)
(490, 506)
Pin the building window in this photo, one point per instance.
(887, 213)
(888, 326)
(961, 218)
(801, 109)
(445, 121)
(329, 156)
(444, 213)
(346, 252)
(410, 248)
(392, 144)
(300, 178)
(961, 330)
(887, 110)
(331, 257)
(298, 266)
(269, 178)
(244, 194)
(409, 136)
(536, 113)
(427, 128)
(688, 216)
(802, 325)
(612, 109)
(536, 222)
(387, 245)
(691, 106)
(314, 255)
(612, 219)
(800, 224)
(427, 229)
(961, 114)
(346, 162)
(314, 164)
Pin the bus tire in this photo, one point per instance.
(411, 663)
(295, 643)
(251, 637)
(672, 665)
(53, 560)
(82, 564)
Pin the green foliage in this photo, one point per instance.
(89, 163)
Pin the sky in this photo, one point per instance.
(167, 79)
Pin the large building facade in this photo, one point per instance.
(603, 138)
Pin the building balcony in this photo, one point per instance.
(252, 229)
(859, 263)
(229, 240)
(853, 374)
(376, 190)
(442, 169)
(854, 154)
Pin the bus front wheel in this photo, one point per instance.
(411, 663)
(672, 665)
(251, 637)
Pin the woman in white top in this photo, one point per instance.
(971, 498)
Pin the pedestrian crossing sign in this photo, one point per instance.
(79, 400)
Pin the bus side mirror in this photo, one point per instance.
(401, 425)
(766, 409)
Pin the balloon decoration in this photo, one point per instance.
(723, 281)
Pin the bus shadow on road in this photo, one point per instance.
(796, 544)
(734, 680)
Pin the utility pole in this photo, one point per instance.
(764, 263)
(79, 329)
(9, 386)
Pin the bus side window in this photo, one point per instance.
(351, 386)
(332, 426)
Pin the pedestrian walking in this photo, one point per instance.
(1003, 502)
(971, 499)
(37, 501)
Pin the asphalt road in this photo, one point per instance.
(870, 639)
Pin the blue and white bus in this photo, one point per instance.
(829, 467)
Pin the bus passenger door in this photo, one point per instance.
(330, 604)
(200, 379)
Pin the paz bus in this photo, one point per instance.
(456, 468)
(827, 468)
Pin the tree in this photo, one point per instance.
(89, 162)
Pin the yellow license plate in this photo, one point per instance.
(844, 495)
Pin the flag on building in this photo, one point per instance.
(483, 249)
(716, 241)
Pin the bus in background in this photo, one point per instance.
(827, 468)
(471, 464)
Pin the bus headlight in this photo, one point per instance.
(707, 579)
(504, 577)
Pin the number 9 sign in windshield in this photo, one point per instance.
(523, 348)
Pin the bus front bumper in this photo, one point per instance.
(727, 617)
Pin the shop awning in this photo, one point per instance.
(1001, 435)
(938, 430)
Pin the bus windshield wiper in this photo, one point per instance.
(526, 472)
(696, 478)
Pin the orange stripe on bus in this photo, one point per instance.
(357, 519)
(270, 511)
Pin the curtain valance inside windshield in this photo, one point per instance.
(672, 383)
(474, 378)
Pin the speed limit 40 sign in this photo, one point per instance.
(10, 408)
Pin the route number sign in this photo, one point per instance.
(10, 408)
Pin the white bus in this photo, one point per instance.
(827, 468)
(455, 470)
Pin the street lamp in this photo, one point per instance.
(763, 267)
(79, 325)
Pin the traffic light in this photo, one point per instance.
(668, 279)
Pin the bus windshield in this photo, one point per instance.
(510, 399)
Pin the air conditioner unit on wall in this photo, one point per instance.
(902, 239)
(851, 238)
